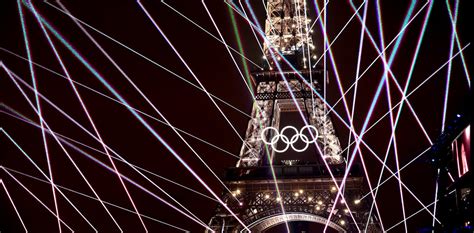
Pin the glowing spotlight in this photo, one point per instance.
(342, 222)
(267, 196)
(357, 201)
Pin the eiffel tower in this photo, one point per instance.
(282, 177)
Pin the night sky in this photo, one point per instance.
(173, 92)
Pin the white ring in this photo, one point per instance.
(305, 147)
(262, 134)
(315, 137)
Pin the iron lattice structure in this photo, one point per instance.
(287, 29)
(264, 193)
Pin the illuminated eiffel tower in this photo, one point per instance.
(282, 174)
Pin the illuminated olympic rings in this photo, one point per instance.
(290, 141)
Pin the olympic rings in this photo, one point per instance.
(290, 141)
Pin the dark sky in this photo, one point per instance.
(190, 109)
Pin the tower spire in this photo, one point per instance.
(288, 31)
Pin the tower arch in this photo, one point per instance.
(274, 220)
